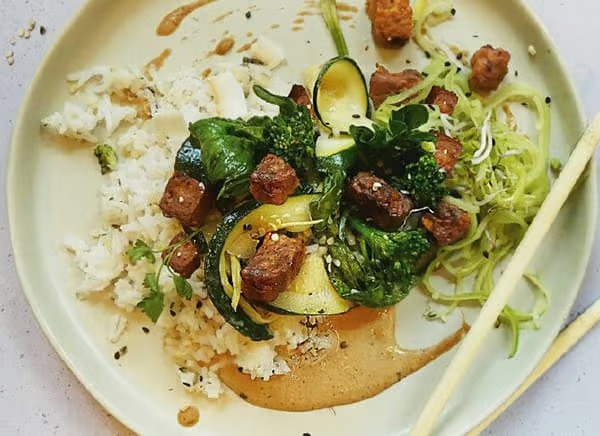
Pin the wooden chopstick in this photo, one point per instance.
(565, 341)
(468, 350)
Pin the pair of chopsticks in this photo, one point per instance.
(583, 153)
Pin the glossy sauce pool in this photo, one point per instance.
(363, 361)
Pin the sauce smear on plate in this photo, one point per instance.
(363, 362)
(170, 23)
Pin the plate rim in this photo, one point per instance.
(100, 397)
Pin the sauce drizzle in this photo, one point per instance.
(156, 63)
(363, 362)
(171, 22)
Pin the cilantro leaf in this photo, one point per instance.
(184, 289)
(139, 251)
(153, 304)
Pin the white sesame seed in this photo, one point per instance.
(531, 50)
(21, 33)
(330, 241)
(179, 254)
(275, 237)
(9, 54)
(202, 186)
(328, 258)
(31, 24)
(181, 199)
(27, 34)
(376, 186)
(337, 262)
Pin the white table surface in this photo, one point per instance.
(39, 395)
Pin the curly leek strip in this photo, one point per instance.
(430, 12)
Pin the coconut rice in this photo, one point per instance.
(144, 118)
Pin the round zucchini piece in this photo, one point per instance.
(311, 293)
(340, 95)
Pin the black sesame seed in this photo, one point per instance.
(486, 254)
(201, 378)
(493, 141)
(355, 116)
(516, 73)
(306, 434)
(548, 100)
(321, 311)
(42, 30)
(248, 15)
(198, 304)
(240, 369)
(459, 56)
(458, 69)
(524, 104)
(468, 94)
(453, 11)
(247, 227)
(343, 345)
(408, 61)
(117, 355)
(186, 384)
(447, 63)
(243, 396)
(172, 312)
(145, 329)
(428, 55)
(424, 74)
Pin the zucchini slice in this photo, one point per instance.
(238, 319)
(237, 235)
(340, 95)
(311, 293)
(328, 145)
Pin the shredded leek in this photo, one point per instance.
(236, 278)
(501, 178)
(329, 11)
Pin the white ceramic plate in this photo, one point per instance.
(52, 193)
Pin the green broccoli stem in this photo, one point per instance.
(329, 11)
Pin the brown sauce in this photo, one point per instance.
(223, 16)
(206, 73)
(275, 26)
(363, 362)
(345, 7)
(246, 46)
(188, 416)
(128, 97)
(171, 22)
(297, 28)
(299, 20)
(156, 63)
(346, 17)
(224, 46)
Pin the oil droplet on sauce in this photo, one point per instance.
(364, 362)
(171, 22)
(188, 416)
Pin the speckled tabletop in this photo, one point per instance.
(39, 395)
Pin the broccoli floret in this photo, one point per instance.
(385, 268)
(107, 158)
(424, 181)
(291, 134)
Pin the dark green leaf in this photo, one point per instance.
(139, 251)
(184, 289)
